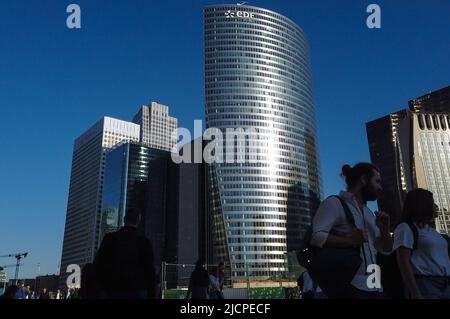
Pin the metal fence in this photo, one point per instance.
(278, 283)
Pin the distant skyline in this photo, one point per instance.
(55, 83)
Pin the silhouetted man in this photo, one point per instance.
(124, 262)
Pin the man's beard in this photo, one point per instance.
(368, 193)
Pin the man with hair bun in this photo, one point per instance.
(344, 225)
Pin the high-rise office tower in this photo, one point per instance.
(412, 149)
(176, 217)
(385, 153)
(258, 76)
(157, 126)
(82, 228)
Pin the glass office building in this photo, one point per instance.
(125, 185)
(82, 228)
(258, 76)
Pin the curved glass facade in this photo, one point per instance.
(258, 75)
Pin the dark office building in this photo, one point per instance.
(437, 101)
(384, 153)
(171, 198)
(410, 147)
(176, 217)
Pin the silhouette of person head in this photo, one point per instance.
(363, 178)
(132, 217)
(199, 264)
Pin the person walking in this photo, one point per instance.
(422, 253)
(214, 284)
(198, 282)
(347, 235)
(10, 293)
(124, 265)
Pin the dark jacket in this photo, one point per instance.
(198, 284)
(124, 263)
(44, 295)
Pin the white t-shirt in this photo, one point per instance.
(431, 256)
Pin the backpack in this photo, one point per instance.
(306, 253)
(332, 268)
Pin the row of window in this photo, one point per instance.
(266, 83)
(433, 121)
(285, 188)
(219, 19)
(214, 101)
(293, 174)
(257, 240)
(295, 57)
(282, 95)
(219, 122)
(217, 11)
(213, 11)
(291, 90)
(303, 168)
(243, 248)
(286, 120)
(254, 29)
(293, 79)
(214, 54)
(255, 257)
(262, 194)
(285, 112)
(243, 232)
(234, 38)
(227, 208)
(230, 51)
(231, 33)
(277, 221)
(233, 106)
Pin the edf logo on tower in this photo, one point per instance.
(238, 14)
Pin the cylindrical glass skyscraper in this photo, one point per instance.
(258, 75)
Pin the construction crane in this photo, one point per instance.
(18, 258)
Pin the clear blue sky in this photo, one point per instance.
(56, 82)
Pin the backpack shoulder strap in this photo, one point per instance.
(415, 232)
(348, 213)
